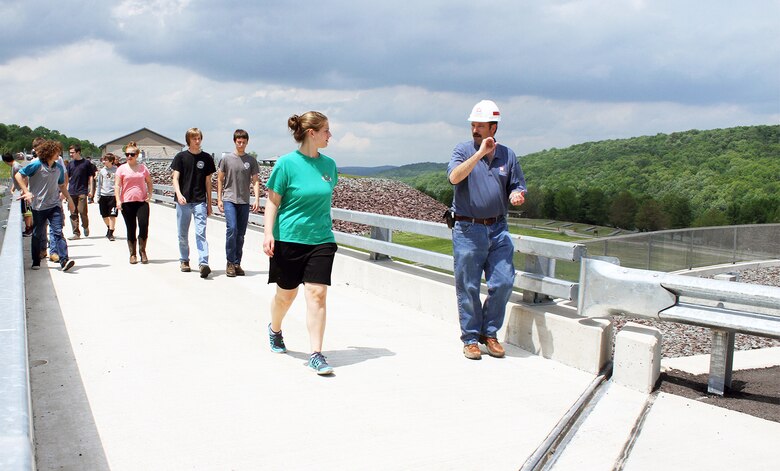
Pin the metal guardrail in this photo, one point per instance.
(17, 451)
(537, 280)
(724, 306)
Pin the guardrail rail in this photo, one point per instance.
(726, 307)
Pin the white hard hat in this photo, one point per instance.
(485, 111)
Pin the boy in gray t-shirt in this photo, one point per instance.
(237, 173)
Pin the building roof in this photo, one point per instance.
(121, 139)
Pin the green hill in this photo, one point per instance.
(720, 176)
(711, 169)
(15, 138)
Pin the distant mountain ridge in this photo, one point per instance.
(365, 171)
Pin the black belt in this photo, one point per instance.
(485, 221)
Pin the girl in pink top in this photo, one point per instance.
(133, 190)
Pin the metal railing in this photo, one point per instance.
(723, 306)
(680, 249)
(537, 280)
(17, 451)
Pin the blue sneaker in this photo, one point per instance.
(318, 363)
(276, 340)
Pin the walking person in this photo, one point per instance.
(106, 194)
(487, 178)
(299, 232)
(133, 191)
(41, 182)
(8, 158)
(81, 186)
(192, 170)
(237, 175)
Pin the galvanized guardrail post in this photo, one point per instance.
(722, 353)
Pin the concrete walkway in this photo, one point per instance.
(142, 367)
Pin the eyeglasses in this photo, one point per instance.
(131, 154)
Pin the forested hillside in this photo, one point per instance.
(700, 178)
(14, 139)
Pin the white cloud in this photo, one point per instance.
(562, 72)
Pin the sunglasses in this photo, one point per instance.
(130, 154)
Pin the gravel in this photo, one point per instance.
(681, 340)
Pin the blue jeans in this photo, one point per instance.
(476, 249)
(53, 218)
(184, 213)
(236, 220)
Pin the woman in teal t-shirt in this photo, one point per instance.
(299, 232)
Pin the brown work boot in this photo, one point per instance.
(471, 351)
(54, 257)
(142, 251)
(494, 348)
(239, 270)
(131, 247)
(230, 271)
(185, 267)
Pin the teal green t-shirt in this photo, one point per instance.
(306, 187)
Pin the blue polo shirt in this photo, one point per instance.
(484, 193)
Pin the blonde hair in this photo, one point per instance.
(309, 120)
(192, 132)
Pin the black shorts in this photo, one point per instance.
(107, 206)
(293, 264)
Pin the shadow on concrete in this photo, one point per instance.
(351, 356)
(66, 436)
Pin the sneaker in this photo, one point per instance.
(74, 237)
(26, 233)
(66, 264)
(111, 236)
(54, 257)
(185, 267)
(36, 266)
(204, 271)
(86, 232)
(230, 271)
(319, 364)
(276, 340)
(239, 270)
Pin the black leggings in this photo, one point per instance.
(132, 211)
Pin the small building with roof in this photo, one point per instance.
(153, 145)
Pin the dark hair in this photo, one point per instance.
(110, 157)
(8, 157)
(75, 148)
(240, 134)
(309, 120)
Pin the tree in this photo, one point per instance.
(548, 207)
(594, 206)
(678, 211)
(713, 217)
(534, 202)
(649, 216)
(567, 205)
(622, 211)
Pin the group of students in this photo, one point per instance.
(298, 229)
(298, 233)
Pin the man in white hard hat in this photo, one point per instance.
(487, 178)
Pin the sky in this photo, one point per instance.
(396, 79)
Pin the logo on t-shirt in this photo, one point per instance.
(326, 178)
(200, 164)
(246, 165)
